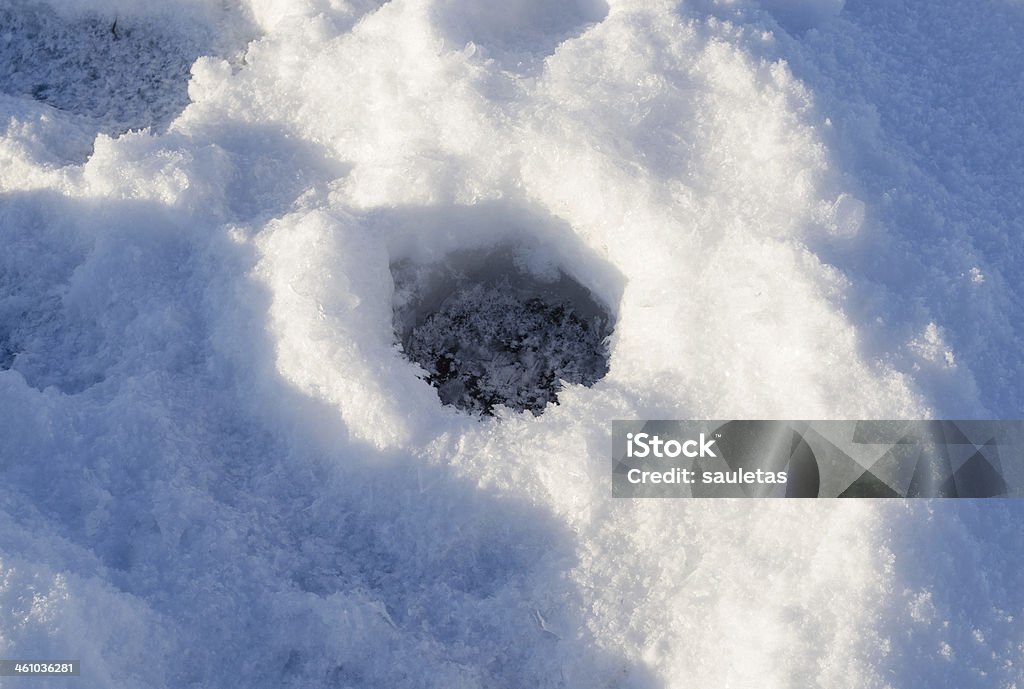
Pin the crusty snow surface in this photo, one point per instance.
(218, 470)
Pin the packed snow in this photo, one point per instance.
(218, 467)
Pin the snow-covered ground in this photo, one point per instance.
(217, 469)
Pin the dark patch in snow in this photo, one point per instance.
(492, 334)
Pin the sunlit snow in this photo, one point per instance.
(218, 467)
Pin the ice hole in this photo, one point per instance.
(500, 327)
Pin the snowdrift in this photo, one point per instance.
(221, 470)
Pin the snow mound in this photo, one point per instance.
(216, 457)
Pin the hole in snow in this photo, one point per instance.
(504, 327)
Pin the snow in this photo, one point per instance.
(802, 15)
(219, 470)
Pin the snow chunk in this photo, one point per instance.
(931, 346)
(921, 607)
(847, 215)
